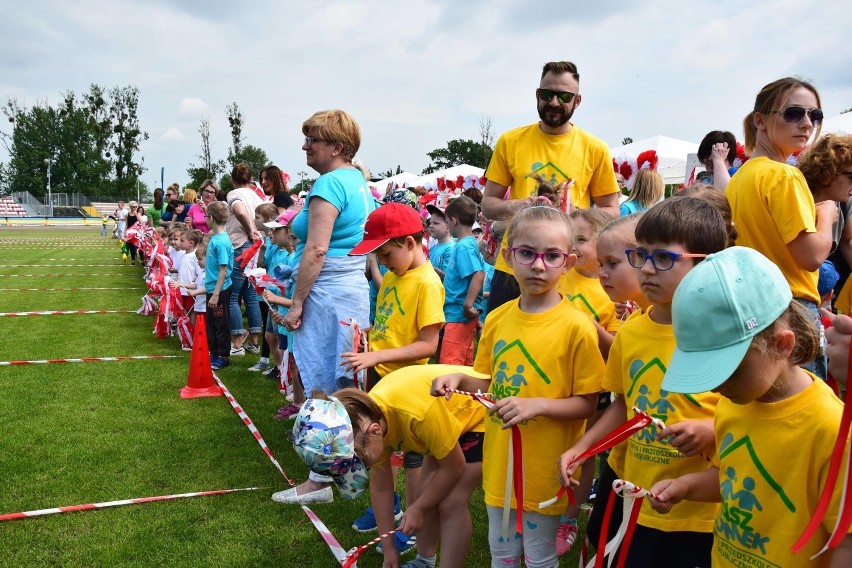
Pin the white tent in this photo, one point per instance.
(671, 152)
(430, 180)
(398, 179)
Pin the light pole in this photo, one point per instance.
(303, 174)
(48, 161)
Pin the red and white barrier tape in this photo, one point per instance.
(64, 313)
(54, 275)
(250, 425)
(87, 359)
(333, 545)
(62, 289)
(353, 555)
(105, 504)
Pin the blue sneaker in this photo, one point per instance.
(367, 521)
(404, 544)
(217, 363)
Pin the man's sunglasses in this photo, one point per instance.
(547, 95)
(793, 114)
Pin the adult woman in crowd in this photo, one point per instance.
(329, 285)
(167, 217)
(196, 216)
(275, 184)
(648, 189)
(156, 209)
(241, 230)
(772, 207)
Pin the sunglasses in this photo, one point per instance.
(793, 114)
(547, 95)
(662, 260)
(309, 140)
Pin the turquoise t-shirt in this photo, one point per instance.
(286, 260)
(346, 189)
(486, 288)
(273, 256)
(219, 252)
(464, 262)
(440, 255)
(630, 207)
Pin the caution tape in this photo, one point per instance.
(252, 428)
(54, 275)
(62, 289)
(64, 313)
(105, 504)
(86, 360)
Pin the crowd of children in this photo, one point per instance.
(656, 313)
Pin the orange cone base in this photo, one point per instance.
(192, 392)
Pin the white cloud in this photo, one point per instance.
(193, 107)
(173, 134)
(417, 77)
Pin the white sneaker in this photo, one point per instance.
(260, 366)
(289, 496)
(238, 351)
(252, 348)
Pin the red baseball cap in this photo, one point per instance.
(390, 221)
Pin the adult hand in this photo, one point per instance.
(293, 319)
(514, 409)
(689, 437)
(839, 336)
(828, 211)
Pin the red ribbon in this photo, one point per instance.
(247, 256)
(845, 514)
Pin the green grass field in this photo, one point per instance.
(81, 433)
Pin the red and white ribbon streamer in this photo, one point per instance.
(54, 275)
(514, 469)
(250, 425)
(61, 289)
(87, 359)
(333, 545)
(105, 504)
(660, 425)
(844, 516)
(64, 313)
(360, 377)
(633, 495)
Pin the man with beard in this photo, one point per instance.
(557, 151)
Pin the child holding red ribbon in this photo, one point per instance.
(671, 237)
(545, 367)
(740, 333)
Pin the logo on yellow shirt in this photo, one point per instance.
(584, 306)
(550, 172)
(514, 367)
(390, 302)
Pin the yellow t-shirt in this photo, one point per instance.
(843, 303)
(553, 354)
(419, 422)
(771, 205)
(589, 297)
(405, 305)
(637, 362)
(576, 155)
(773, 461)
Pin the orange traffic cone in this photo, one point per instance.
(200, 380)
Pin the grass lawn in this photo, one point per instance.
(87, 432)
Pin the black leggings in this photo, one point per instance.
(264, 313)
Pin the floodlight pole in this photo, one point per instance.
(48, 161)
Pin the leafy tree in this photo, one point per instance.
(236, 122)
(304, 185)
(391, 172)
(459, 152)
(627, 140)
(124, 144)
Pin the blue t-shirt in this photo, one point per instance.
(464, 262)
(274, 255)
(285, 259)
(346, 189)
(219, 252)
(440, 255)
(486, 288)
(630, 207)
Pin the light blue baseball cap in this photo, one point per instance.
(718, 308)
(324, 438)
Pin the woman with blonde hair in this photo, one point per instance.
(772, 208)
(647, 190)
(329, 285)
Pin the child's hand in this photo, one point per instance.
(669, 493)
(444, 382)
(719, 151)
(689, 437)
(268, 295)
(213, 300)
(514, 409)
(568, 464)
(412, 521)
(359, 361)
(174, 284)
(277, 318)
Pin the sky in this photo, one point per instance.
(418, 73)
